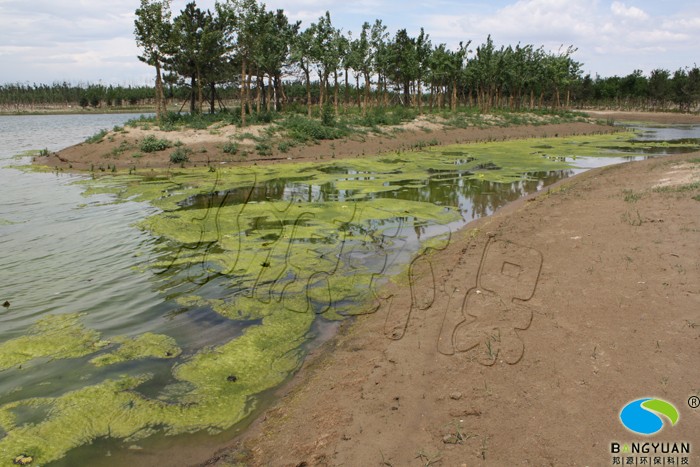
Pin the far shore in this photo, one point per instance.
(119, 149)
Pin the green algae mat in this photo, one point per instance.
(269, 250)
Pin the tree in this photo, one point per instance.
(403, 63)
(152, 29)
(301, 55)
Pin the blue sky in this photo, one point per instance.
(92, 40)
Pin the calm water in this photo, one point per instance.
(62, 252)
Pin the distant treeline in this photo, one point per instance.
(243, 55)
(660, 90)
(261, 53)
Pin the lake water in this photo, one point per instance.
(62, 253)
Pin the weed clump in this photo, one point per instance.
(230, 148)
(97, 137)
(152, 144)
(304, 129)
(180, 155)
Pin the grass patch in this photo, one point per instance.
(180, 155)
(97, 137)
(230, 148)
(285, 146)
(304, 129)
(630, 196)
(678, 188)
(152, 144)
(263, 149)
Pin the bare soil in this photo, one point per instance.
(121, 149)
(519, 342)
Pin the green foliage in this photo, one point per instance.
(230, 148)
(305, 129)
(97, 137)
(328, 116)
(152, 144)
(263, 149)
(285, 146)
(180, 155)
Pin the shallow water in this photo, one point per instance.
(202, 251)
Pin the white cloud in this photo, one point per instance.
(612, 38)
(47, 40)
(620, 9)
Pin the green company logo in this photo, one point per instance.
(643, 416)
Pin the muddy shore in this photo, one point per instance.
(516, 343)
(120, 149)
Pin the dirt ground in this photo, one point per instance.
(517, 343)
(206, 146)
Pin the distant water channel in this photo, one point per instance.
(62, 252)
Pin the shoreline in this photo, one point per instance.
(277, 424)
(391, 400)
(402, 402)
(121, 148)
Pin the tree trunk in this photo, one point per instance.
(321, 91)
(335, 92)
(160, 104)
(193, 106)
(420, 97)
(454, 95)
(244, 101)
(308, 91)
(366, 103)
(258, 93)
(407, 93)
(200, 94)
(212, 101)
(347, 93)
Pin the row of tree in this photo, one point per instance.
(661, 90)
(241, 42)
(65, 94)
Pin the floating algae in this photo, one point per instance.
(269, 247)
(144, 346)
(54, 337)
(221, 380)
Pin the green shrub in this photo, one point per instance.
(97, 137)
(328, 116)
(263, 149)
(152, 144)
(304, 129)
(180, 155)
(230, 148)
(285, 146)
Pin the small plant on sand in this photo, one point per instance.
(631, 196)
(284, 146)
(97, 137)
(230, 148)
(263, 149)
(180, 155)
(152, 144)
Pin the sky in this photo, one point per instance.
(92, 41)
